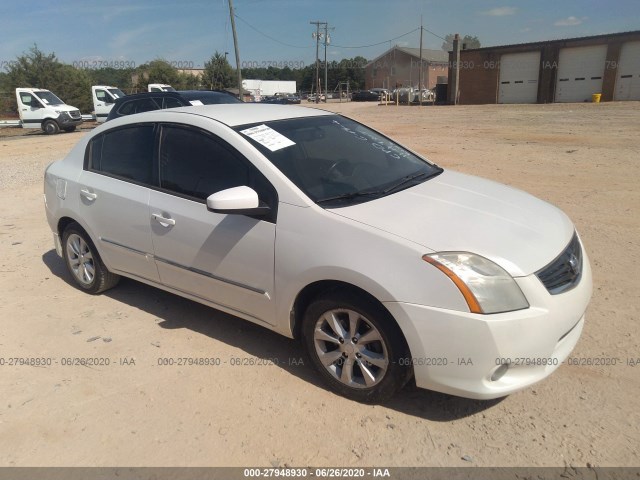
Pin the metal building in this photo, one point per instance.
(568, 70)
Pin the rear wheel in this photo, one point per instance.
(50, 127)
(356, 346)
(84, 262)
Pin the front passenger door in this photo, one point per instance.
(224, 259)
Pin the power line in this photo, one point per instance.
(268, 36)
(379, 43)
(337, 46)
(434, 34)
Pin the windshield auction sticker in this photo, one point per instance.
(268, 137)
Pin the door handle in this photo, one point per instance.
(165, 222)
(88, 195)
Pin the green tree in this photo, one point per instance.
(117, 77)
(161, 71)
(186, 81)
(468, 40)
(218, 73)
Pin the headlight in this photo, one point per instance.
(486, 287)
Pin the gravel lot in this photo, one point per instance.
(274, 412)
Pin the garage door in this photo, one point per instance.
(580, 72)
(519, 77)
(628, 81)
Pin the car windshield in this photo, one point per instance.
(48, 98)
(336, 161)
(116, 92)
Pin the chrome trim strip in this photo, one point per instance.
(106, 240)
(210, 275)
(190, 269)
(190, 295)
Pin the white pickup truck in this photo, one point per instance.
(40, 108)
(103, 99)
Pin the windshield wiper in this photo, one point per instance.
(371, 193)
(350, 196)
(407, 179)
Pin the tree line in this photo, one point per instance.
(36, 68)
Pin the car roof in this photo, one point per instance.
(135, 96)
(31, 90)
(198, 94)
(234, 114)
(205, 92)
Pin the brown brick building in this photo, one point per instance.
(568, 70)
(400, 67)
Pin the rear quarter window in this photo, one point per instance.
(126, 153)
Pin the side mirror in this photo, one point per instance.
(236, 201)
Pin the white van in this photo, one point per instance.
(160, 87)
(39, 108)
(103, 99)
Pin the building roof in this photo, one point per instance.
(428, 55)
(542, 43)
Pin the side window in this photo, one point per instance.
(171, 102)
(148, 105)
(138, 106)
(193, 163)
(101, 95)
(126, 153)
(127, 108)
(28, 99)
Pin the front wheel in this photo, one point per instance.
(84, 262)
(50, 127)
(356, 346)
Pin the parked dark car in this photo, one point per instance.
(282, 99)
(148, 101)
(372, 95)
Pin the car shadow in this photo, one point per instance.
(176, 312)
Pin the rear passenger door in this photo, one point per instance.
(224, 259)
(114, 198)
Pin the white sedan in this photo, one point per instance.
(387, 267)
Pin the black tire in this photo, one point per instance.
(70, 129)
(350, 375)
(84, 263)
(50, 127)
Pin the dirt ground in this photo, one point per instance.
(260, 406)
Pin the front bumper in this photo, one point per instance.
(462, 353)
(64, 120)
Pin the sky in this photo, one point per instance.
(188, 32)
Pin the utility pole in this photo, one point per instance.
(327, 40)
(420, 74)
(317, 35)
(235, 44)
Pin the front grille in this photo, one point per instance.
(75, 114)
(564, 272)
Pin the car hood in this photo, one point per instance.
(457, 212)
(63, 107)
